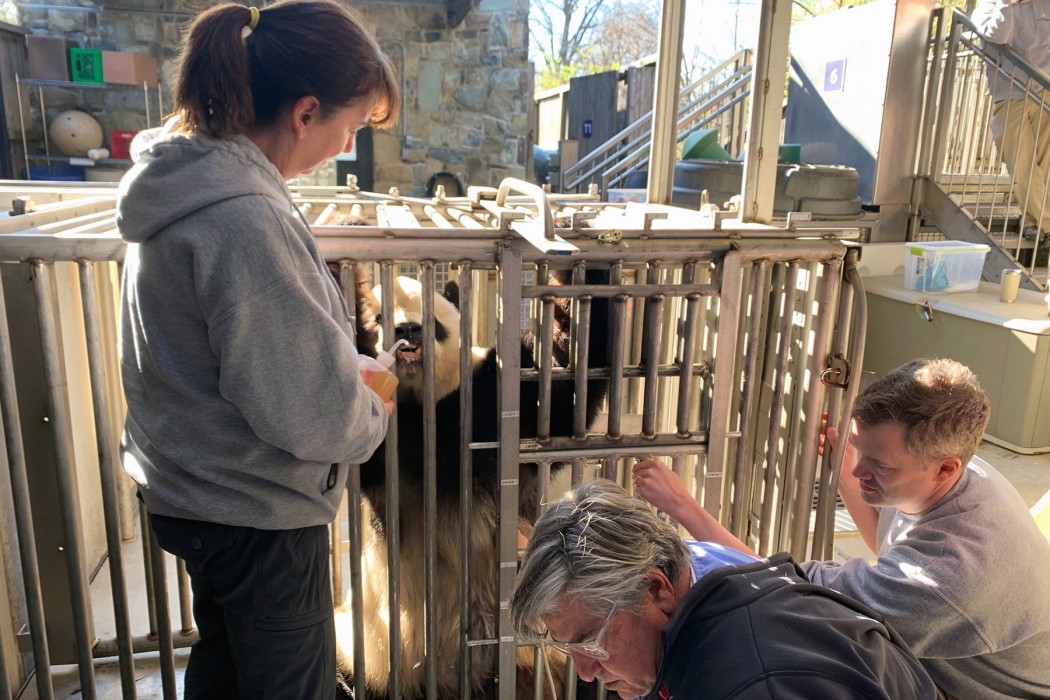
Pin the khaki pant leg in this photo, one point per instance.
(1021, 130)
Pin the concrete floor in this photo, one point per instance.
(1029, 473)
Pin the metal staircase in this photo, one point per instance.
(718, 99)
(963, 186)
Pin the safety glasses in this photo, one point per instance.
(592, 649)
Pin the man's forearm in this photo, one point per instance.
(703, 527)
(865, 517)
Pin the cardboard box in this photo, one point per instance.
(85, 65)
(48, 57)
(943, 266)
(125, 68)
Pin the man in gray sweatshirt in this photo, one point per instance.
(963, 572)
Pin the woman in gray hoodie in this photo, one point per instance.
(245, 402)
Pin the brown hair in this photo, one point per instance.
(229, 83)
(939, 402)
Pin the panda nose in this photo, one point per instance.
(412, 332)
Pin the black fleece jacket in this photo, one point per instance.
(761, 631)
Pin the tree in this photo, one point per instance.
(578, 37)
(561, 29)
(8, 12)
(627, 32)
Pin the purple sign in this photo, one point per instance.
(834, 75)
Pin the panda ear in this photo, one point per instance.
(367, 309)
(452, 293)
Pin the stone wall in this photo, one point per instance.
(468, 93)
(467, 88)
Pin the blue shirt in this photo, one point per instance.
(705, 557)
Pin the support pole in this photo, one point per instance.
(665, 103)
(768, 82)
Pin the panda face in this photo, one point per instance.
(408, 325)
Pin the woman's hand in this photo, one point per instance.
(366, 377)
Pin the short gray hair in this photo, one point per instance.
(597, 546)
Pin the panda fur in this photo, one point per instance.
(484, 558)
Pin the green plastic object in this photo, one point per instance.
(703, 144)
(789, 153)
(85, 65)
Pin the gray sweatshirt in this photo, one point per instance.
(1024, 27)
(966, 584)
(240, 374)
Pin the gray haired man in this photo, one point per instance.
(607, 582)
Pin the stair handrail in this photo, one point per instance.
(726, 87)
(950, 147)
(742, 58)
(640, 156)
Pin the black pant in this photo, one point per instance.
(262, 600)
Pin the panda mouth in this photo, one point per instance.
(410, 354)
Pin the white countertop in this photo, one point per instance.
(1028, 314)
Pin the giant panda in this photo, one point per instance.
(484, 605)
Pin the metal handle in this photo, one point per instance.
(543, 205)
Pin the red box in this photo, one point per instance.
(125, 68)
(48, 57)
(120, 144)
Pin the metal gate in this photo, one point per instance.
(726, 344)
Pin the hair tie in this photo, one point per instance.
(254, 21)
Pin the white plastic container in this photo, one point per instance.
(939, 267)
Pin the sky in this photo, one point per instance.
(712, 25)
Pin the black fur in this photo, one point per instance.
(485, 416)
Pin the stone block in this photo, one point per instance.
(66, 22)
(145, 28)
(495, 126)
(417, 155)
(430, 81)
(471, 121)
(466, 53)
(431, 19)
(498, 33)
(398, 175)
(440, 52)
(506, 78)
(448, 155)
(509, 154)
(473, 138)
(501, 102)
(472, 98)
(386, 147)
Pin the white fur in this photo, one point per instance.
(408, 307)
(412, 596)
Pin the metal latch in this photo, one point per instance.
(611, 236)
(836, 373)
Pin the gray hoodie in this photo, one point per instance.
(240, 374)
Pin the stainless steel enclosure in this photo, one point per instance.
(728, 342)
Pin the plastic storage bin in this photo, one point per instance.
(120, 144)
(943, 266)
(56, 173)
